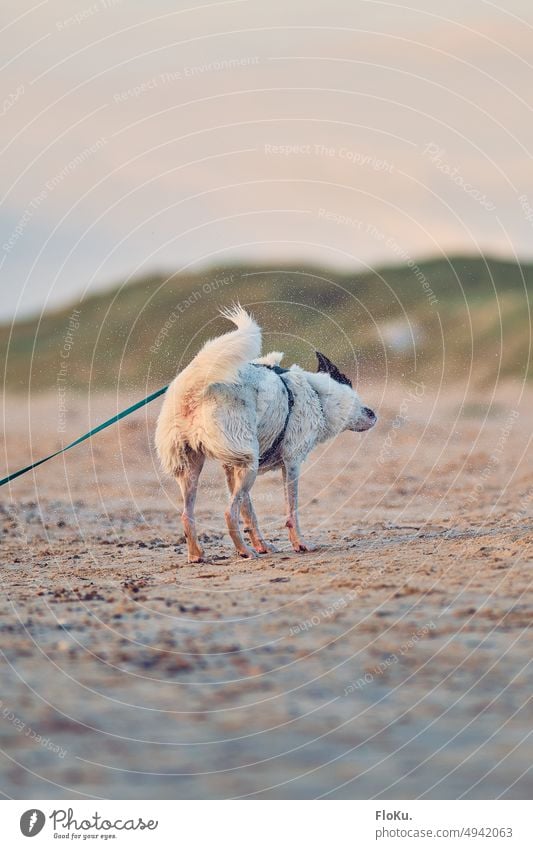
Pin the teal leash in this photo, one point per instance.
(88, 435)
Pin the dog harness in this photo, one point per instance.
(271, 452)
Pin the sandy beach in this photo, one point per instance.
(392, 662)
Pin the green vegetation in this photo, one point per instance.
(438, 320)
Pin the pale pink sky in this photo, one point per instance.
(165, 135)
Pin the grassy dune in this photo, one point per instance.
(439, 320)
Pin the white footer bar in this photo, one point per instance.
(268, 824)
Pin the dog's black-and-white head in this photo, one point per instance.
(356, 416)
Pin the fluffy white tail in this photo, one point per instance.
(220, 359)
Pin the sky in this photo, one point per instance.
(139, 137)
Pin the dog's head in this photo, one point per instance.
(359, 417)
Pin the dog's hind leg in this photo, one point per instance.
(240, 480)
(290, 480)
(251, 525)
(188, 481)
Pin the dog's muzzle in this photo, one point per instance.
(367, 420)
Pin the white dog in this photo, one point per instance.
(253, 416)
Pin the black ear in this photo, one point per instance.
(330, 368)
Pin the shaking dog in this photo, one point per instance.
(253, 416)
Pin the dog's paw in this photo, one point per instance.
(248, 553)
(266, 548)
(302, 546)
(196, 558)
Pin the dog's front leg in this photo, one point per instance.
(290, 479)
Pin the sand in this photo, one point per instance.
(393, 662)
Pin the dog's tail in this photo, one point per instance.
(220, 359)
